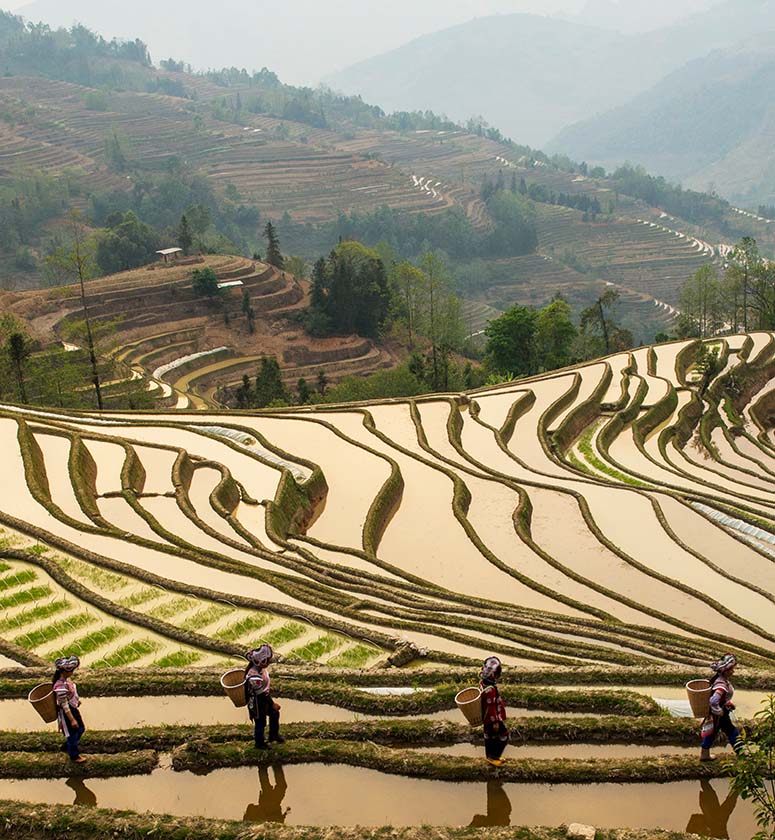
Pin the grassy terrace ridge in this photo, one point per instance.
(34, 822)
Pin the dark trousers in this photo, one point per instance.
(75, 735)
(496, 737)
(265, 709)
(724, 723)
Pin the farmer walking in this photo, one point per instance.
(721, 706)
(496, 735)
(260, 703)
(68, 706)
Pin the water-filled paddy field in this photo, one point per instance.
(615, 519)
(330, 795)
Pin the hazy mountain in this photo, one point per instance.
(305, 40)
(533, 76)
(711, 122)
(300, 40)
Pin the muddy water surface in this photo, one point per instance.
(134, 712)
(324, 795)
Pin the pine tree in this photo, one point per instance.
(248, 311)
(514, 182)
(322, 382)
(304, 391)
(185, 237)
(18, 348)
(274, 255)
(522, 186)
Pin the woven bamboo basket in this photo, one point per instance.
(233, 683)
(469, 701)
(43, 701)
(699, 697)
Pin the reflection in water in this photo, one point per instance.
(712, 822)
(498, 807)
(270, 799)
(83, 796)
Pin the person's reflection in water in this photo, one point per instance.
(270, 800)
(83, 796)
(498, 807)
(712, 822)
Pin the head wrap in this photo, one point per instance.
(67, 663)
(491, 670)
(261, 656)
(726, 663)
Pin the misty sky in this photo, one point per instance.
(303, 41)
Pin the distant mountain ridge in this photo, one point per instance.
(534, 76)
(711, 123)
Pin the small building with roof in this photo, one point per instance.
(170, 255)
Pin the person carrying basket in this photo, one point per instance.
(496, 735)
(68, 706)
(721, 706)
(257, 693)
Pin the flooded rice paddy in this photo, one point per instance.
(331, 795)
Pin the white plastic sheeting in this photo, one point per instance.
(250, 443)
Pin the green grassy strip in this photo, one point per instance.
(32, 822)
(171, 608)
(17, 579)
(354, 657)
(249, 624)
(107, 581)
(207, 616)
(129, 653)
(284, 634)
(4, 567)
(25, 765)
(142, 596)
(31, 616)
(91, 642)
(418, 732)
(36, 638)
(313, 650)
(25, 596)
(179, 659)
(202, 756)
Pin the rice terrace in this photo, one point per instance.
(371, 475)
(604, 525)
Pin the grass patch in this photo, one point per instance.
(585, 447)
(101, 578)
(129, 653)
(354, 657)
(246, 625)
(142, 596)
(287, 633)
(313, 650)
(17, 579)
(26, 596)
(91, 642)
(4, 567)
(179, 659)
(170, 609)
(36, 638)
(208, 616)
(33, 615)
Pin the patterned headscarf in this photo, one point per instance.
(261, 656)
(491, 670)
(67, 663)
(725, 664)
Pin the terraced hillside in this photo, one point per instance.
(620, 512)
(606, 529)
(181, 345)
(315, 174)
